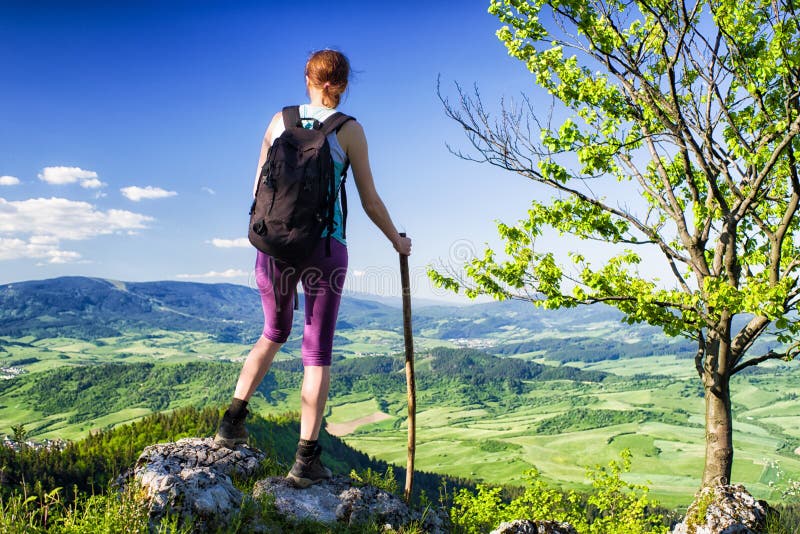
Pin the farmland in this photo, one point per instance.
(554, 392)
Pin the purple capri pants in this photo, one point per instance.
(322, 277)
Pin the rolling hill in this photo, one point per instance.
(92, 308)
(502, 387)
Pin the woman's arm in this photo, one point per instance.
(265, 144)
(353, 140)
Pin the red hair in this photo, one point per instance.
(328, 70)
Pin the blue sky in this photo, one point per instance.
(130, 131)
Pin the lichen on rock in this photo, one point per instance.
(192, 478)
(340, 501)
(724, 509)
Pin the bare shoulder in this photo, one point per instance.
(277, 119)
(352, 127)
(351, 135)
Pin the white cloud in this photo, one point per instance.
(43, 240)
(35, 228)
(9, 180)
(136, 193)
(241, 242)
(62, 256)
(208, 190)
(65, 175)
(14, 248)
(92, 183)
(65, 219)
(229, 273)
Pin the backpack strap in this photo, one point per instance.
(291, 117)
(333, 124)
(344, 200)
(271, 272)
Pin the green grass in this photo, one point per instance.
(453, 433)
(667, 457)
(134, 347)
(342, 412)
(383, 342)
(652, 365)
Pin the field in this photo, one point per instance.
(652, 406)
(472, 442)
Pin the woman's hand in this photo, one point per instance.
(402, 245)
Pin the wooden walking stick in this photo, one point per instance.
(411, 387)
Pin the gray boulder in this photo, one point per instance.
(525, 526)
(192, 478)
(339, 501)
(726, 509)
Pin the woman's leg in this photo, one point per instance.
(276, 284)
(255, 367)
(313, 395)
(322, 286)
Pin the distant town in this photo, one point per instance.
(7, 373)
(44, 445)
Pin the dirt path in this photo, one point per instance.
(342, 429)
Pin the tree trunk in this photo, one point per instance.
(719, 432)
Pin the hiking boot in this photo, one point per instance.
(308, 470)
(231, 431)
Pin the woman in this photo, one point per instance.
(322, 275)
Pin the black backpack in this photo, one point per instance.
(296, 192)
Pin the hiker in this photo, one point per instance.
(322, 274)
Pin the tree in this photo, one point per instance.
(688, 112)
(20, 433)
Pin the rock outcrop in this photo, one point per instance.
(724, 510)
(192, 478)
(525, 526)
(340, 501)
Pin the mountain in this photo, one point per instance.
(89, 308)
(93, 308)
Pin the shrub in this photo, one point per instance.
(368, 477)
(612, 507)
(621, 507)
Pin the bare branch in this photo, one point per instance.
(495, 142)
(789, 355)
(792, 132)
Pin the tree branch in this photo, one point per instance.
(494, 143)
(771, 355)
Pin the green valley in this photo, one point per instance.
(549, 390)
